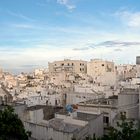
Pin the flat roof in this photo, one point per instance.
(37, 107)
(101, 101)
(60, 125)
(129, 91)
(86, 116)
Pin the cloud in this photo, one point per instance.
(28, 66)
(118, 43)
(41, 4)
(81, 49)
(19, 15)
(131, 19)
(67, 3)
(23, 26)
(29, 58)
(118, 50)
(26, 59)
(86, 47)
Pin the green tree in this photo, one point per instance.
(11, 127)
(125, 130)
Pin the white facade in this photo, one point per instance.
(98, 67)
(135, 81)
(54, 100)
(10, 80)
(109, 78)
(77, 97)
(126, 71)
(108, 108)
(74, 66)
(128, 101)
(39, 72)
(102, 72)
(64, 127)
(97, 89)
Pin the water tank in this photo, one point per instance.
(138, 60)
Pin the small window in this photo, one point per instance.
(80, 64)
(80, 69)
(106, 119)
(72, 64)
(68, 64)
(103, 65)
(62, 64)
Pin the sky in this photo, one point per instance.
(35, 32)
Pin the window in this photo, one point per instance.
(106, 119)
(102, 65)
(80, 69)
(72, 64)
(62, 64)
(68, 64)
(80, 64)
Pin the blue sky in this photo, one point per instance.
(33, 32)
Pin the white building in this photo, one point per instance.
(74, 66)
(98, 67)
(63, 126)
(102, 71)
(128, 101)
(126, 71)
(108, 107)
(77, 97)
(53, 100)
